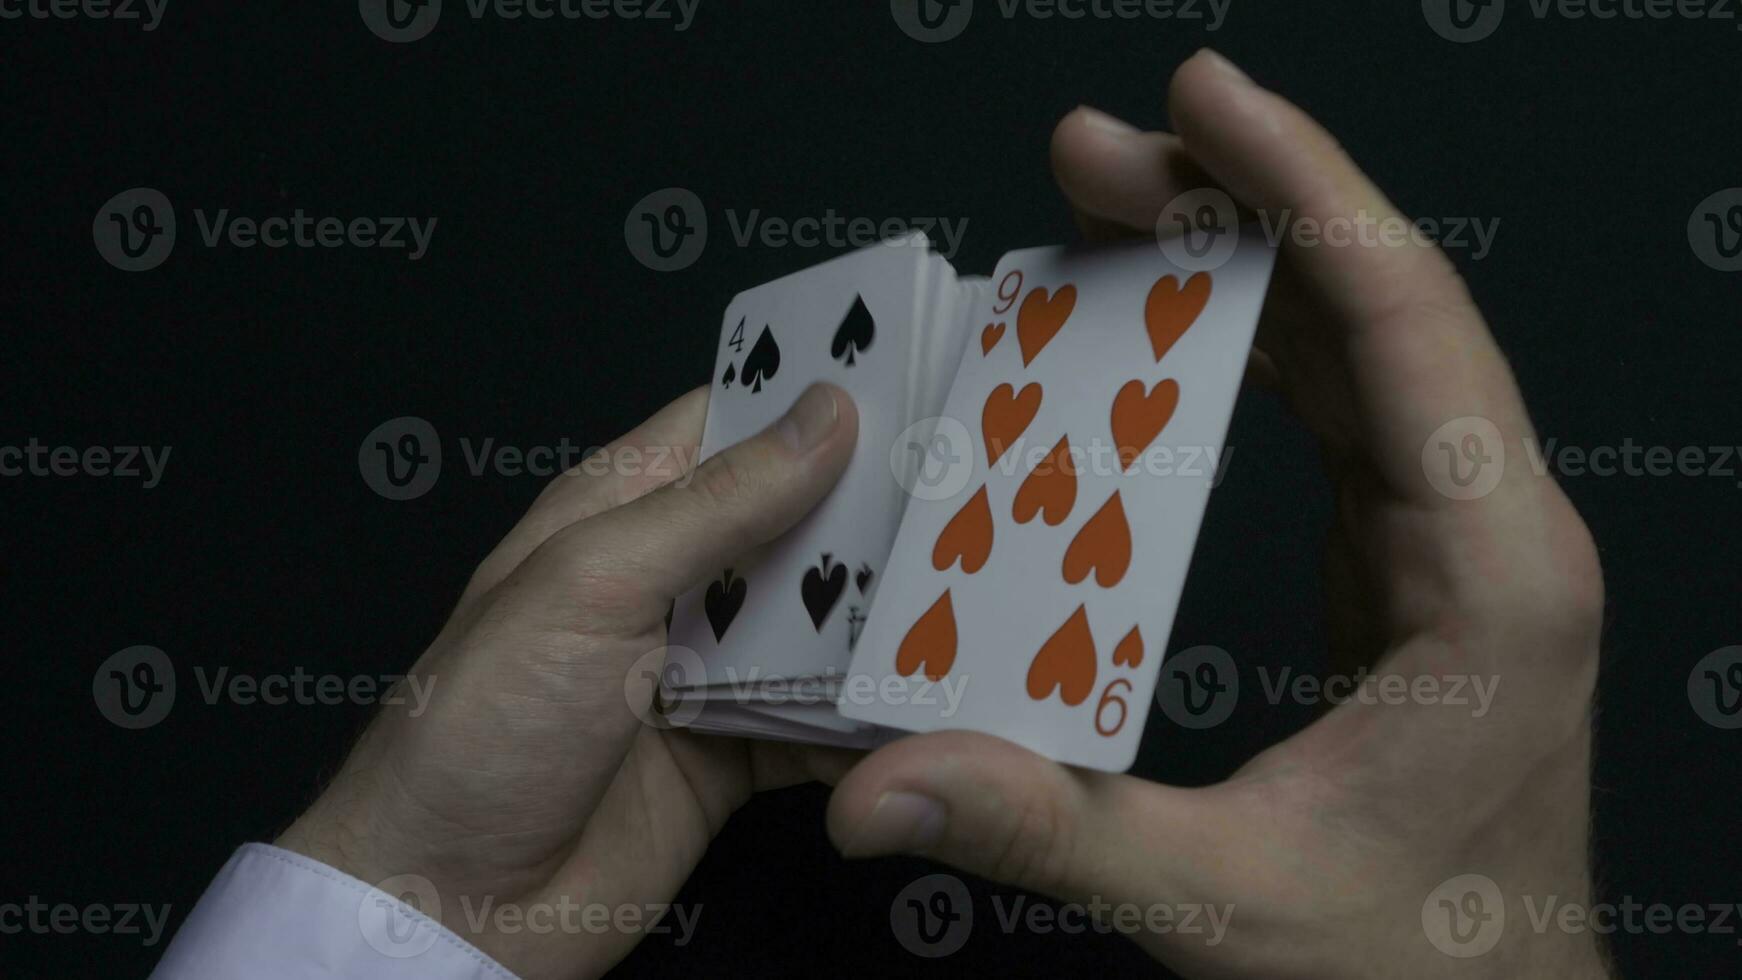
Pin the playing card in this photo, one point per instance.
(795, 608)
(1093, 397)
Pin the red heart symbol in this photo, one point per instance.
(1050, 489)
(1138, 417)
(1129, 652)
(931, 642)
(990, 337)
(1040, 318)
(1171, 309)
(1103, 544)
(967, 536)
(1005, 417)
(1065, 662)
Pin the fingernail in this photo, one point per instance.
(1105, 123)
(1225, 66)
(810, 419)
(900, 823)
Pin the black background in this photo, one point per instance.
(530, 321)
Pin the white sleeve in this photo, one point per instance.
(272, 914)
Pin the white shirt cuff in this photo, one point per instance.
(273, 914)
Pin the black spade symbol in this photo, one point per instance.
(863, 579)
(722, 602)
(855, 333)
(763, 362)
(730, 376)
(822, 588)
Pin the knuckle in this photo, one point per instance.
(572, 583)
(724, 479)
(1548, 597)
(1035, 845)
(582, 483)
(1433, 295)
(1574, 596)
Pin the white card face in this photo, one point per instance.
(793, 609)
(1103, 381)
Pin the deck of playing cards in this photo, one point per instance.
(1006, 549)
